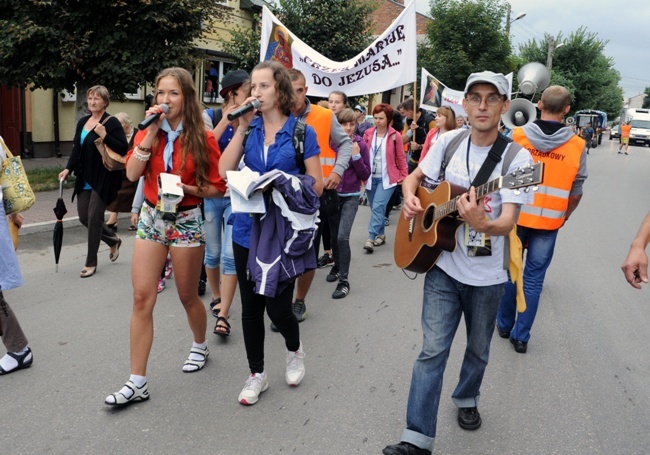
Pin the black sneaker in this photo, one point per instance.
(325, 260)
(300, 310)
(404, 448)
(342, 290)
(333, 275)
(469, 418)
(201, 287)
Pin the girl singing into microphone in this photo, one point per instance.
(268, 146)
(176, 143)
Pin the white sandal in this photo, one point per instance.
(197, 364)
(139, 394)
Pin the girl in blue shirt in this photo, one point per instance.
(269, 146)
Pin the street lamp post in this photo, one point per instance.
(508, 21)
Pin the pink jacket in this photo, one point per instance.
(395, 157)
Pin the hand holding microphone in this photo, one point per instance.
(244, 109)
(153, 117)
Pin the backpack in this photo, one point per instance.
(298, 139)
(215, 115)
(455, 142)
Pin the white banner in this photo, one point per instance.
(434, 94)
(389, 62)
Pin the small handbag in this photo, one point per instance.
(112, 161)
(17, 195)
(329, 203)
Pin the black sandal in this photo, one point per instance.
(20, 358)
(225, 328)
(213, 304)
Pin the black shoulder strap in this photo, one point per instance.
(494, 156)
(299, 144)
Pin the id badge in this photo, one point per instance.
(477, 243)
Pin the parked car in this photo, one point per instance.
(615, 132)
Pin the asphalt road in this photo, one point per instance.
(580, 389)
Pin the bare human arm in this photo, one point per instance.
(635, 266)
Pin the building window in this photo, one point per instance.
(214, 70)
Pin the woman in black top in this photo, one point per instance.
(95, 186)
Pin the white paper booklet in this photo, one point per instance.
(245, 185)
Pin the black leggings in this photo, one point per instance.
(279, 309)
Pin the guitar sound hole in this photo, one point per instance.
(427, 219)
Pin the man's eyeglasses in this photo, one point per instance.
(492, 100)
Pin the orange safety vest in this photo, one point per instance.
(561, 166)
(320, 119)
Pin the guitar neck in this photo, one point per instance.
(449, 207)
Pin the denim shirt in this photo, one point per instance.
(282, 155)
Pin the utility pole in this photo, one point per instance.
(549, 54)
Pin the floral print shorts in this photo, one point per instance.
(187, 231)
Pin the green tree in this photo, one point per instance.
(244, 47)
(116, 43)
(338, 29)
(646, 100)
(466, 36)
(581, 66)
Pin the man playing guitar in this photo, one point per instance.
(470, 280)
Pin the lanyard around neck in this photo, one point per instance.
(375, 147)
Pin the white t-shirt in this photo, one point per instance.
(477, 270)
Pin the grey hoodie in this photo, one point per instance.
(546, 136)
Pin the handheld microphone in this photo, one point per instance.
(245, 109)
(152, 118)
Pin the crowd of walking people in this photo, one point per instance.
(326, 160)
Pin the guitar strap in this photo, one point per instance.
(494, 156)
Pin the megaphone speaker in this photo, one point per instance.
(521, 112)
(570, 120)
(533, 77)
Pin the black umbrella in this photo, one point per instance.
(59, 211)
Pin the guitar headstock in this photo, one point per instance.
(524, 177)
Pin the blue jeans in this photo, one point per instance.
(539, 245)
(445, 301)
(218, 249)
(378, 198)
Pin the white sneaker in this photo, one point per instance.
(295, 367)
(255, 385)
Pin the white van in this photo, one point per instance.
(640, 118)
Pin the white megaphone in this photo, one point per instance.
(570, 121)
(521, 112)
(533, 77)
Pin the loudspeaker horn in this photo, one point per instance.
(570, 121)
(521, 112)
(533, 77)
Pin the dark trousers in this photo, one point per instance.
(279, 309)
(348, 207)
(12, 334)
(91, 210)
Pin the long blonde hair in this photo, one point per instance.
(192, 138)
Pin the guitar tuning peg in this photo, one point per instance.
(526, 190)
(517, 193)
(535, 188)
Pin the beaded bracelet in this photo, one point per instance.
(140, 156)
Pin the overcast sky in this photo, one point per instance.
(626, 25)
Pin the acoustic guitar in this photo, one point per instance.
(420, 241)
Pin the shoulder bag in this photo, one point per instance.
(17, 195)
(112, 161)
